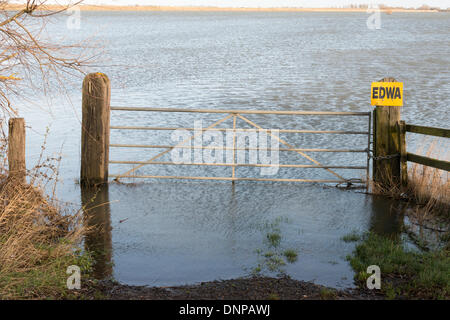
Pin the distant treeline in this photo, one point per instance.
(385, 7)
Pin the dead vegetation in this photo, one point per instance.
(428, 189)
(39, 239)
(37, 242)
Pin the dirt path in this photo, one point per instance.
(256, 288)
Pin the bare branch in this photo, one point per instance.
(30, 58)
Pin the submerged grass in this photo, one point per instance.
(351, 237)
(405, 273)
(274, 258)
(274, 239)
(291, 255)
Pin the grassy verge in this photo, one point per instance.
(38, 242)
(405, 273)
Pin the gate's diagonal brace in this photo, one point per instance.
(171, 148)
(292, 147)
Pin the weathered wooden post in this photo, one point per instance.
(95, 129)
(386, 164)
(97, 220)
(403, 154)
(16, 149)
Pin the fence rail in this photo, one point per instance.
(423, 160)
(430, 162)
(430, 131)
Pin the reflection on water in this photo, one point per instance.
(176, 233)
(97, 217)
(387, 218)
(169, 233)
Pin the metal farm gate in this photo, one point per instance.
(234, 115)
(390, 155)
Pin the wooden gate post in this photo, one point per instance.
(386, 171)
(97, 220)
(16, 149)
(403, 154)
(95, 129)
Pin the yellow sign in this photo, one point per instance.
(387, 94)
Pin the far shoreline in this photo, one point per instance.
(12, 7)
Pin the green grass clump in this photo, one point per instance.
(46, 281)
(351, 237)
(404, 273)
(291, 255)
(327, 294)
(274, 263)
(274, 257)
(274, 239)
(273, 296)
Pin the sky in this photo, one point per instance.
(273, 3)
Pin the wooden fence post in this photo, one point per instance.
(95, 129)
(403, 154)
(386, 171)
(16, 149)
(97, 220)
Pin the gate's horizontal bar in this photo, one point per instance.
(317, 113)
(226, 148)
(243, 130)
(237, 179)
(240, 165)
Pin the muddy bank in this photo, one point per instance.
(255, 288)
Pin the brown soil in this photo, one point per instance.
(256, 288)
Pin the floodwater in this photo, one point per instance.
(171, 232)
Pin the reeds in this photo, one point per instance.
(428, 189)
